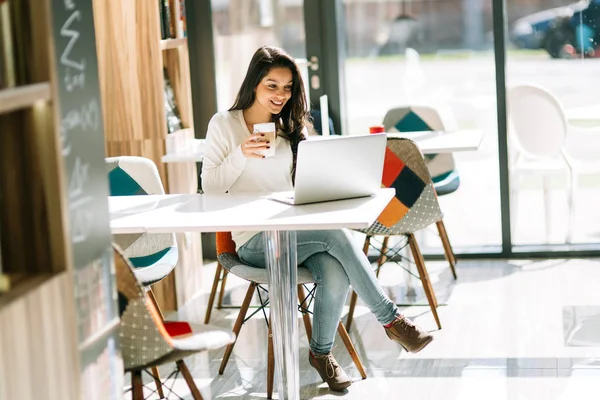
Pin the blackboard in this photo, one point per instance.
(82, 145)
(82, 133)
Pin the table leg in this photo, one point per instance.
(281, 260)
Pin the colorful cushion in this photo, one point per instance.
(420, 118)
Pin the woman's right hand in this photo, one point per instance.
(253, 145)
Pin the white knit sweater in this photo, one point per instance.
(226, 169)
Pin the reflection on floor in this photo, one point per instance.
(518, 330)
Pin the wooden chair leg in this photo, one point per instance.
(447, 247)
(153, 299)
(354, 296)
(382, 257)
(270, 363)
(137, 387)
(213, 293)
(350, 316)
(305, 316)
(351, 350)
(157, 382)
(222, 292)
(238, 325)
(196, 395)
(420, 262)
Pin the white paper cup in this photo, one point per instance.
(268, 129)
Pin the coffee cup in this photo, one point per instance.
(268, 130)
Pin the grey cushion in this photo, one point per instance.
(232, 263)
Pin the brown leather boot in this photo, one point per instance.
(408, 335)
(330, 371)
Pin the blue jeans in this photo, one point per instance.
(335, 262)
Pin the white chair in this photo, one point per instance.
(538, 135)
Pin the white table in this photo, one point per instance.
(435, 142)
(585, 116)
(192, 152)
(214, 213)
(430, 142)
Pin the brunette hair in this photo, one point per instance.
(294, 115)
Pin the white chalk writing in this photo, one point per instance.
(87, 117)
(75, 78)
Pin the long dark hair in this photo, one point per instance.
(293, 117)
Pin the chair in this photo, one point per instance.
(153, 255)
(414, 207)
(229, 261)
(545, 145)
(147, 341)
(418, 118)
(441, 167)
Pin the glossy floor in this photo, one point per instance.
(517, 330)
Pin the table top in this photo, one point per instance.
(585, 116)
(243, 212)
(181, 157)
(430, 142)
(192, 152)
(435, 142)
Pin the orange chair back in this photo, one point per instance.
(225, 243)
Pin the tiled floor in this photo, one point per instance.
(511, 331)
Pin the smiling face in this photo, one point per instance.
(274, 90)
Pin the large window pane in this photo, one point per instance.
(241, 27)
(437, 53)
(553, 46)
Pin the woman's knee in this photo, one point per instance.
(328, 271)
(338, 238)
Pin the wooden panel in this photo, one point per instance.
(37, 344)
(183, 178)
(131, 77)
(178, 67)
(129, 62)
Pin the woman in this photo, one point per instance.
(273, 91)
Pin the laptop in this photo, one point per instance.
(336, 168)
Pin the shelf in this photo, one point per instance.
(23, 96)
(172, 43)
(22, 284)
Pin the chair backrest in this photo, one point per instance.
(537, 122)
(415, 205)
(143, 336)
(415, 118)
(224, 243)
(129, 176)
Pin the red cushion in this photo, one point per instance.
(178, 328)
(392, 166)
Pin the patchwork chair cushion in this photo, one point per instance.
(424, 118)
(153, 255)
(232, 263)
(145, 339)
(415, 205)
(228, 258)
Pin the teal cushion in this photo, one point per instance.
(412, 123)
(122, 184)
(145, 261)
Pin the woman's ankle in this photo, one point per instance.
(389, 325)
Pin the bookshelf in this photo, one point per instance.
(132, 57)
(56, 293)
(167, 44)
(25, 96)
